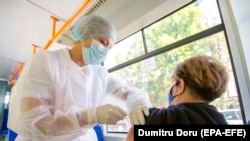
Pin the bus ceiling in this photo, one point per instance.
(31, 25)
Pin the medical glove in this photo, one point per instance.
(137, 114)
(109, 114)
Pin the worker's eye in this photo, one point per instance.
(105, 43)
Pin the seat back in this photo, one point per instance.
(248, 123)
(99, 132)
(11, 135)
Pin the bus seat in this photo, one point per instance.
(4, 129)
(11, 135)
(99, 132)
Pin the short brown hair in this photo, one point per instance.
(204, 75)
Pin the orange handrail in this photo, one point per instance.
(54, 36)
(67, 23)
(34, 48)
(14, 75)
(54, 24)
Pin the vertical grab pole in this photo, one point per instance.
(68, 22)
(34, 48)
(14, 76)
(55, 19)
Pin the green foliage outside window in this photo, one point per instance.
(180, 25)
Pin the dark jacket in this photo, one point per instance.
(186, 113)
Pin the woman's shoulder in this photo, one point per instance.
(164, 115)
(166, 111)
(50, 55)
(44, 53)
(42, 57)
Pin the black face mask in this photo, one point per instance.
(170, 95)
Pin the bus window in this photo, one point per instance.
(233, 116)
(192, 30)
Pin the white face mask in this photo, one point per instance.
(95, 54)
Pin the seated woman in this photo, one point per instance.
(197, 82)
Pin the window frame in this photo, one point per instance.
(236, 55)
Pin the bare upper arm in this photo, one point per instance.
(130, 135)
(28, 103)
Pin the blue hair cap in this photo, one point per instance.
(92, 26)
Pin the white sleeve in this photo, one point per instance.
(31, 112)
(132, 95)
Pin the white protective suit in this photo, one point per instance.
(64, 91)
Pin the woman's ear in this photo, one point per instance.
(88, 42)
(78, 44)
(181, 86)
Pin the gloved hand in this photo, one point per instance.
(137, 114)
(109, 114)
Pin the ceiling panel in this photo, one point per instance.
(24, 23)
(27, 22)
(62, 9)
(129, 16)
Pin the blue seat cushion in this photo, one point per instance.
(99, 133)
